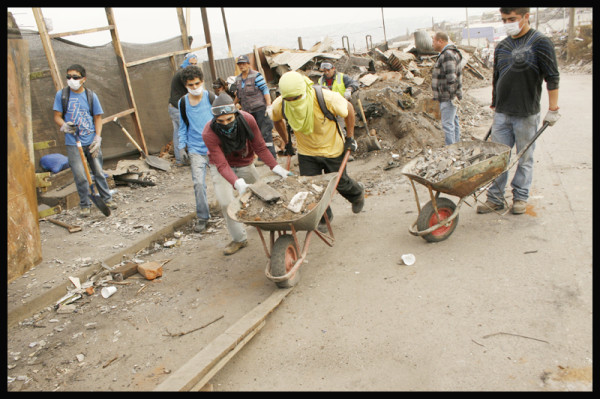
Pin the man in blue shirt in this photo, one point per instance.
(77, 118)
(195, 113)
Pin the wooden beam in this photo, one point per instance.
(81, 32)
(211, 58)
(54, 71)
(204, 365)
(117, 115)
(165, 55)
(127, 82)
(184, 29)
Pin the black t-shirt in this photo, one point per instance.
(178, 89)
(520, 67)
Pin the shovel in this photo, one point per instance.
(372, 142)
(93, 194)
(151, 160)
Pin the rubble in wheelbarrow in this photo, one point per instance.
(286, 208)
(440, 163)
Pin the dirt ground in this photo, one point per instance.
(134, 339)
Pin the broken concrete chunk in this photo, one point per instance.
(150, 270)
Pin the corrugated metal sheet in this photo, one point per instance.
(224, 68)
(297, 60)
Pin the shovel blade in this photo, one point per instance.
(158, 163)
(100, 204)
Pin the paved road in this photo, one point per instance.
(504, 304)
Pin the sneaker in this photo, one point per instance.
(85, 212)
(235, 246)
(111, 204)
(519, 207)
(489, 206)
(200, 226)
(357, 205)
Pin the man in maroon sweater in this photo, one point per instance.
(232, 138)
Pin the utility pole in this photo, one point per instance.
(571, 33)
(468, 31)
(383, 22)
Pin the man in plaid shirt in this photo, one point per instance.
(446, 83)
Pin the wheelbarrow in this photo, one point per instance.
(284, 252)
(438, 219)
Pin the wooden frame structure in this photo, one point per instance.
(123, 65)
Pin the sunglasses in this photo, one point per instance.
(75, 77)
(223, 109)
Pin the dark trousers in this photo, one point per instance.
(347, 187)
(265, 124)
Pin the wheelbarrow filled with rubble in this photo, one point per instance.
(303, 203)
(461, 169)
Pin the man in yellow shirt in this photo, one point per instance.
(321, 146)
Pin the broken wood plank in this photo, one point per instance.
(214, 356)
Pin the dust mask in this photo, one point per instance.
(196, 92)
(74, 84)
(512, 29)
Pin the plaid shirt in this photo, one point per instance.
(446, 76)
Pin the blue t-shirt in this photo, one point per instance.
(198, 116)
(78, 112)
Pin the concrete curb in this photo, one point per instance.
(49, 298)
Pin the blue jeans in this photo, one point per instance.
(450, 124)
(174, 114)
(511, 130)
(95, 167)
(199, 163)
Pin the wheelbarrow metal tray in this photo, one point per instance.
(305, 222)
(465, 181)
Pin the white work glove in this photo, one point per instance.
(270, 111)
(348, 94)
(95, 146)
(551, 117)
(281, 171)
(68, 127)
(241, 186)
(185, 158)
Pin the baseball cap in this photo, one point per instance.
(242, 58)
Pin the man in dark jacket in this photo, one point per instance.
(446, 83)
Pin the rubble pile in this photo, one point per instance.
(299, 195)
(436, 165)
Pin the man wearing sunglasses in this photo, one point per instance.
(321, 146)
(191, 145)
(77, 119)
(232, 138)
(254, 97)
(337, 81)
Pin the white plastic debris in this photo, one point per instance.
(408, 259)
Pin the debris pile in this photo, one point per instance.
(436, 165)
(299, 195)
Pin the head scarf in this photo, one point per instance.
(186, 61)
(236, 139)
(299, 113)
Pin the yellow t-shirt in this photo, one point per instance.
(324, 141)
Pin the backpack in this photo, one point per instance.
(321, 101)
(211, 99)
(66, 94)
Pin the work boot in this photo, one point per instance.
(111, 204)
(85, 212)
(235, 246)
(519, 207)
(489, 206)
(357, 205)
(200, 226)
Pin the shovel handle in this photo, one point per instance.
(362, 113)
(84, 161)
(129, 136)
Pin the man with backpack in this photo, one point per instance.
(194, 114)
(78, 112)
(311, 113)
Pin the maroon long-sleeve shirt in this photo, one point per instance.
(245, 157)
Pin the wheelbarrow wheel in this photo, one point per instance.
(283, 258)
(428, 218)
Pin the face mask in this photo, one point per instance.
(196, 92)
(512, 29)
(228, 128)
(74, 84)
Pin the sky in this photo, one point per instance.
(147, 24)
